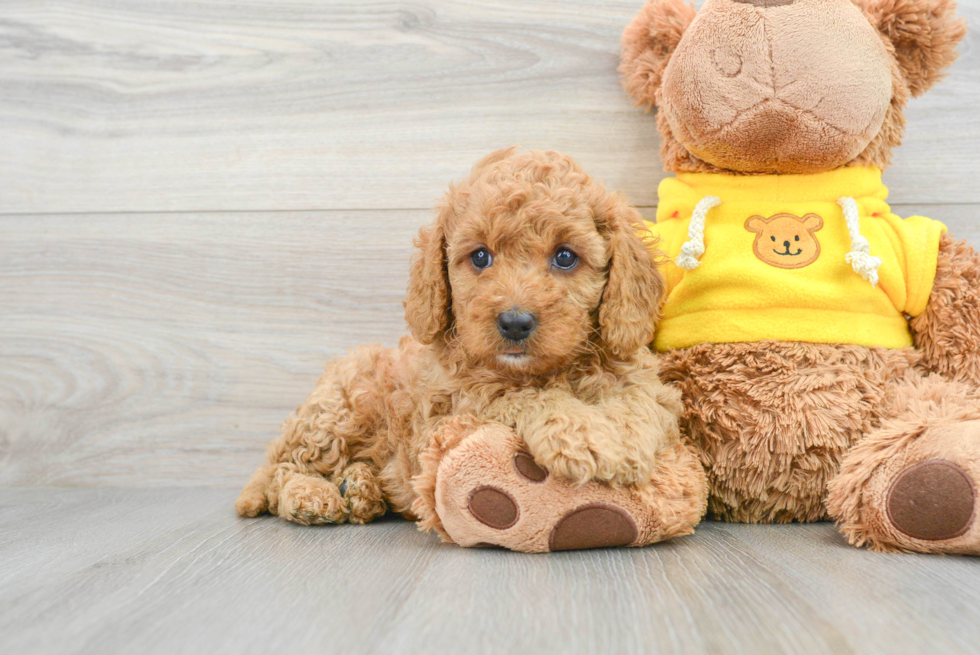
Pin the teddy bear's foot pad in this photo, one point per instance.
(593, 526)
(490, 492)
(493, 508)
(932, 500)
(923, 497)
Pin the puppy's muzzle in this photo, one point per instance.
(515, 325)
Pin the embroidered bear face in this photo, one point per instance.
(785, 240)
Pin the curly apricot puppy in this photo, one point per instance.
(531, 300)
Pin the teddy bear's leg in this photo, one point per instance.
(911, 485)
(486, 490)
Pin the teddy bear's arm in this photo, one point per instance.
(948, 331)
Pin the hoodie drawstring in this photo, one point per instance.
(860, 257)
(694, 248)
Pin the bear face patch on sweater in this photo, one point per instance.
(786, 240)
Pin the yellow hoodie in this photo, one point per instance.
(816, 258)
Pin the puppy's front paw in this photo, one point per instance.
(572, 461)
(626, 470)
(624, 462)
(620, 465)
(580, 451)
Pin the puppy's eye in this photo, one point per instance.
(773, 238)
(565, 259)
(481, 259)
(797, 237)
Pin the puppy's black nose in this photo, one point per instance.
(515, 325)
(786, 243)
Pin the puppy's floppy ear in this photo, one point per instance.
(428, 309)
(648, 43)
(924, 34)
(635, 287)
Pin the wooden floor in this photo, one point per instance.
(174, 571)
(202, 201)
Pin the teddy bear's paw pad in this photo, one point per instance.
(597, 525)
(493, 507)
(528, 469)
(932, 500)
(490, 491)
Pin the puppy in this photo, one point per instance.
(531, 302)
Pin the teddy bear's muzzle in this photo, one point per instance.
(768, 86)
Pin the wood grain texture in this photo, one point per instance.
(296, 105)
(144, 348)
(167, 571)
(165, 350)
(166, 299)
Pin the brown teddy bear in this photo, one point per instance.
(828, 351)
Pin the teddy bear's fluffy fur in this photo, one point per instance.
(810, 431)
(920, 36)
(582, 391)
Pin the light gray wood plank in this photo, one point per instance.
(814, 560)
(288, 104)
(135, 347)
(165, 350)
(164, 571)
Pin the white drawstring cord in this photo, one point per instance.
(694, 248)
(860, 257)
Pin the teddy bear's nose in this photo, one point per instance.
(767, 3)
(786, 243)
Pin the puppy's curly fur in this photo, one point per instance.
(582, 390)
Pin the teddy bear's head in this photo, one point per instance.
(785, 86)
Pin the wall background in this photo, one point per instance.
(202, 202)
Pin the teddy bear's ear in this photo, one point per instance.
(648, 43)
(924, 34)
(428, 310)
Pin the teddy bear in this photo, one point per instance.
(828, 351)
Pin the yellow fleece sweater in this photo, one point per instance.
(776, 265)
